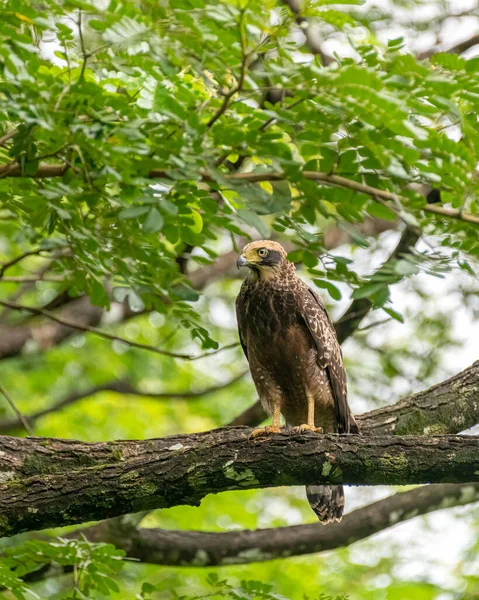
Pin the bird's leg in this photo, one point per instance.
(309, 426)
(275, 424)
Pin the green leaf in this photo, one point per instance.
(368, 290)
(392, 313)
(252, 219)
(382, 212)
(132, 212)
(154, 221)
(333, 291)
(197, 222)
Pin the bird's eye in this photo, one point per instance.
(262, 252)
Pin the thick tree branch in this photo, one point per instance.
(52, 482)
(435, 408)
(199, 548)
(451, 406)
(57, 482)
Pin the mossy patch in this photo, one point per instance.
(244, 477)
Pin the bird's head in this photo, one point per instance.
(265, 258)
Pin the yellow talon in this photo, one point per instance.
(305, 427)
(264, 431)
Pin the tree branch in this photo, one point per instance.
(20, 418)
(199, 548)
(106, 335)
(456, 396)
(254, 177)
(19, 258)
(458, 48)
(119, 386)
(243, 69)
(451, 406)
(53, 483)
(14, 338)
(312, 38)
(46, 483)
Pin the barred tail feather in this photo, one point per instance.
(327, 502)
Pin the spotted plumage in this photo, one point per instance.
(294, 356)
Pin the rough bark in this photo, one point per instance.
(451, 406)
(199, 548)
(47, 483)
(52, 482)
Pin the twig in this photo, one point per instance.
(220, 160)
(109, 336)
(21, 279)
(7, 136)
(303, 23)
(82, 46)
(244, 67)
(17, 259)
(456, 49)
(20, 417)
(372, 325)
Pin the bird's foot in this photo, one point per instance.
(264, 431)
(305, 427)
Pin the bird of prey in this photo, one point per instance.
(294, 357)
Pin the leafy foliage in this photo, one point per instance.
(113, 92)
(181, 128)
(94, 566)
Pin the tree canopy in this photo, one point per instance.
(142, 143)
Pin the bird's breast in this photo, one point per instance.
(270, 312)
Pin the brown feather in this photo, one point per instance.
(294, 354)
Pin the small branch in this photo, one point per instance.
(19, 258)
(22, 279)
(109, 336)
(456, 49)
(20, 417)
(221, 159)
(82, 46)
(8, 136)
(43, 171)
(121, 387)
(312, 39)
(239, 86)
(256, 177)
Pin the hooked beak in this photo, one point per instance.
(241, 262)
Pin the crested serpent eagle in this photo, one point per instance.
(294, 356)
